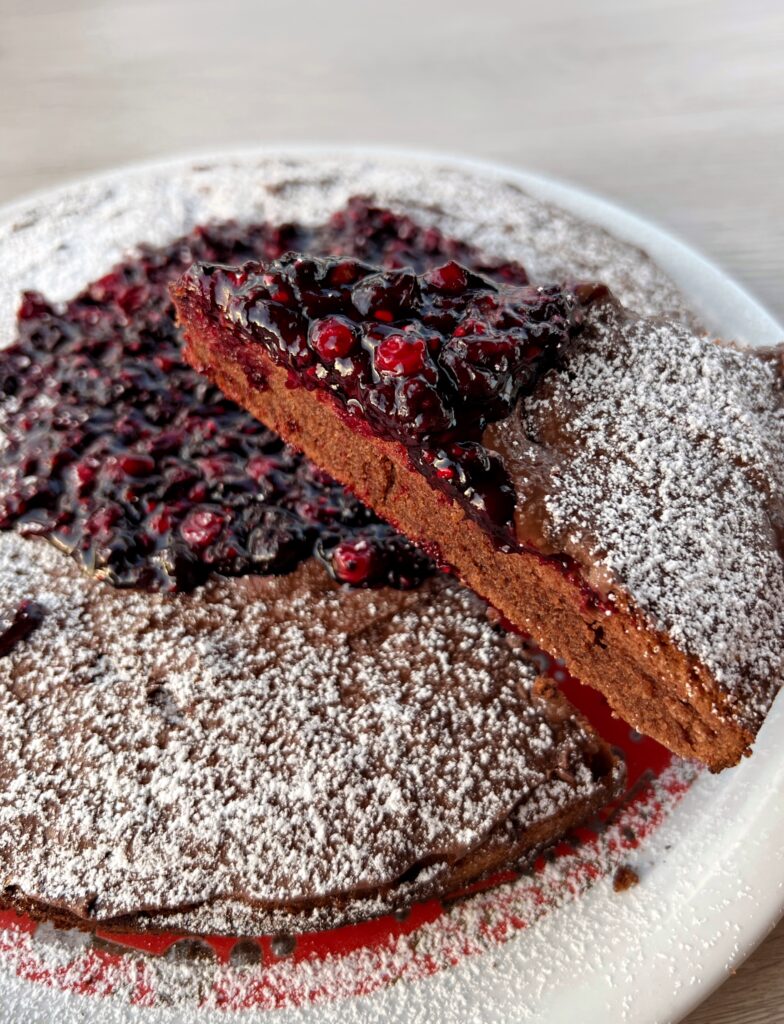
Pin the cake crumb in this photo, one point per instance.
(625, 878)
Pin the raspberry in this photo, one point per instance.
(201, 527)
(136, 465)
(400, 355)
(333, 338)
(353, 561)
(451, 277)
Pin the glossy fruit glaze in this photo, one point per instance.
(124, 457)
(426, 359)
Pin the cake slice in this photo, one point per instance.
(612, 485)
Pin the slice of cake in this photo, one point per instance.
(612, 485)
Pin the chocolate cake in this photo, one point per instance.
(610, 483)
(233, 700)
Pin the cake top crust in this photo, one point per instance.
(653, 457)
(273, 740)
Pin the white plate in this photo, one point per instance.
(712, 872)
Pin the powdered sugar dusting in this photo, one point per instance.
(60, 246)
(273, 739)
(669, 475)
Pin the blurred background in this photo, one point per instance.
(674, 108)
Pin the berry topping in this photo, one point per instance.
(400, 355)
(434, 357)
(392, 240)
(146, 474)
(333, 338)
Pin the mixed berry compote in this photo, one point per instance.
(124, 457)
(425, 359)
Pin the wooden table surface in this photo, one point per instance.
(674, 108)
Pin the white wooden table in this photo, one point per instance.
(674, 108)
